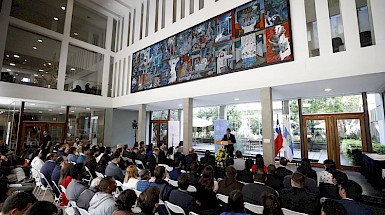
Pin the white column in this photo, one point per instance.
(186, 8)
(350, 22)
(267, 125)
(298, 23)
(127, 85)
(113, 88)
(151, 18)
(168, 13)
(64, 46)
(187, 124)
(142, 123)
(324, 32)
(160, 14)
(4, 21)
(378, 15)
(196, 6)
(125, 30)
(106, 60)
(223, 112)
(178, 10)
(137, 22)
(144, 18)
(122, 72)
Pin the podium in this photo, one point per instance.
(223, 143)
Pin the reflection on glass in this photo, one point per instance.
(312, 29)
(32, 134)
(44, 112)
(45, 13)
(154, 133)
(159, 115)
(30, 59)
(86, 124)
(336, 26)
(163, 133)
(350, 142)
(174, 115)
(364, 23)
(88, 25)
(84, 71)
(342, 104)
(316, 140)
(111, 72)
(377, 122)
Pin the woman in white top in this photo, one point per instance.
(130, 180)
(326, 176)
(37, 163)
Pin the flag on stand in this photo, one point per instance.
(278, 140)
(287, 140)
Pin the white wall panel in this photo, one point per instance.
(323, 24)
(350, 21)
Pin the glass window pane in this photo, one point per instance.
(30, 59)
(84, 71)
(336, 26)
(113, 42)
(159, 115)
(88, 25)
(45, 13)
(343, 104)
(316, 140)
(349, 135)
(174, 115)
(44, 112)
(377, 122)
(110, 77)
(312, 29)
(365, 23)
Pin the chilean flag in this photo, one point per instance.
(279, 140)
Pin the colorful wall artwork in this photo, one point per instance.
(253, 35)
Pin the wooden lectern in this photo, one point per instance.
(223, 143)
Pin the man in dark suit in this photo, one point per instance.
(252, 192)
(152, 160)
(142, 157)
(229, 137)
(176, 172)
(310, 184)
(162, 159)
(297, 198)
(208, 159)
(126, 151)
(350, 191)
(246, 175)
(113, 170)
(133, 154)
(179, 155)
(191, 157)
(48, 167)
(229, 183)
(272, 180)
(282, 171)
(194, 176)
(180, 196)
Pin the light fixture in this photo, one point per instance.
(34, 47)
(7, 55)
(327, 89)
(44, 64)
(42, 75)
(88, 108)
(72, 111)
(61, 113)
(73, 69)
(25, 60)
(49, 63)
(76, 34)
(25, 80)
(46, 72)
(40, 40)
(16, 56)
(9, 70)
(63, 107)
(56, 19)
(63, 7)
(236, 99)
(41, 70)
(32, 104)
(12, 64)
(180, 105)
(40, 111)
(35, 75)
(49, 109)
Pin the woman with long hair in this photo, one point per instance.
(259, 163)
(102, 165)
(130, 179)
(271, 205)
(205, 192)
(65, 179)
(326, 176)
(235, 206)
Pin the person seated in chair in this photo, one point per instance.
(181, 197)
(113, 169)
(86, 196)
(229, 183)
(239, 163)
(350, 192)
(191, 157)
(175, 173)
(272, 180)
(76, 187)
(252, 192)
(103, 202)
(246, 175)
(282, 171)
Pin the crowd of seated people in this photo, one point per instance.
(106, 181)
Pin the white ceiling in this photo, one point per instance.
(116, 8)
(341, 86)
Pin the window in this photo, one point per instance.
(342, 104)
(182, 8)
(336, 26)
(365, 23)
(113, 42)
(44, 112)
(174, 10)
(147, 16)
(45, 13)
(30, 59)
(312, 29)
(88, 25)
(110, 77)
(163, 13)
(129, 29)
(201, 4)
(156, 15)
(159, 115)
(141, 22)
(377, 122)
(84, 71)
(133, 27)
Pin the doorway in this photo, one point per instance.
(33, 131)
(338, 137)
(159, 132)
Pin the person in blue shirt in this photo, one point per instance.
(48, 167)
(86, 151)
(176, 172)
(235, 206)
(145, 176)
(350, 191)
(71, 155)
(60, 161)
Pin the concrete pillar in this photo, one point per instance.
(180, 118)
(187, 124)
(267, 125)
(285, 107)
(223, 112)
(142, 123)
(108, 122)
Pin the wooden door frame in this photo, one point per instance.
(45, 126)
(332, 135)
(158, 130)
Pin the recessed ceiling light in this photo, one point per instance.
(88, 108)
(40, 111)
(327, 89)
(72, 111)
(61, 113)
(16, 74)
(180, 105)
(46, 72)
(32, 104)
(76, 34)
(25, 80)
(40, 40)
(63, 107)
(49, 109)
(50, 64)
(12, 64)
(56, 19)
(34, 47)
(41, 70)
(16, 56)
(35, 75)
(42, 75)
(236, 99)
(25, 60)
(63, 7)
(7, 55)
(9, 70)
(73, 69)
(44, 64)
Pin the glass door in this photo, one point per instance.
(159, 132)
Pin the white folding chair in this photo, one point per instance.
(290, 212)
(83, 211)
(223, 198)
(62, 188)
(138, 193)
(89, 173)
(139, 164)
(38, 183)
(45, 188)
(99, 174)
(174, 208)
(57, 198)
(173, 183)
(192, 213)
(191, 189)
(257, 209)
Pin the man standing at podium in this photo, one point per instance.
(231, 138)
